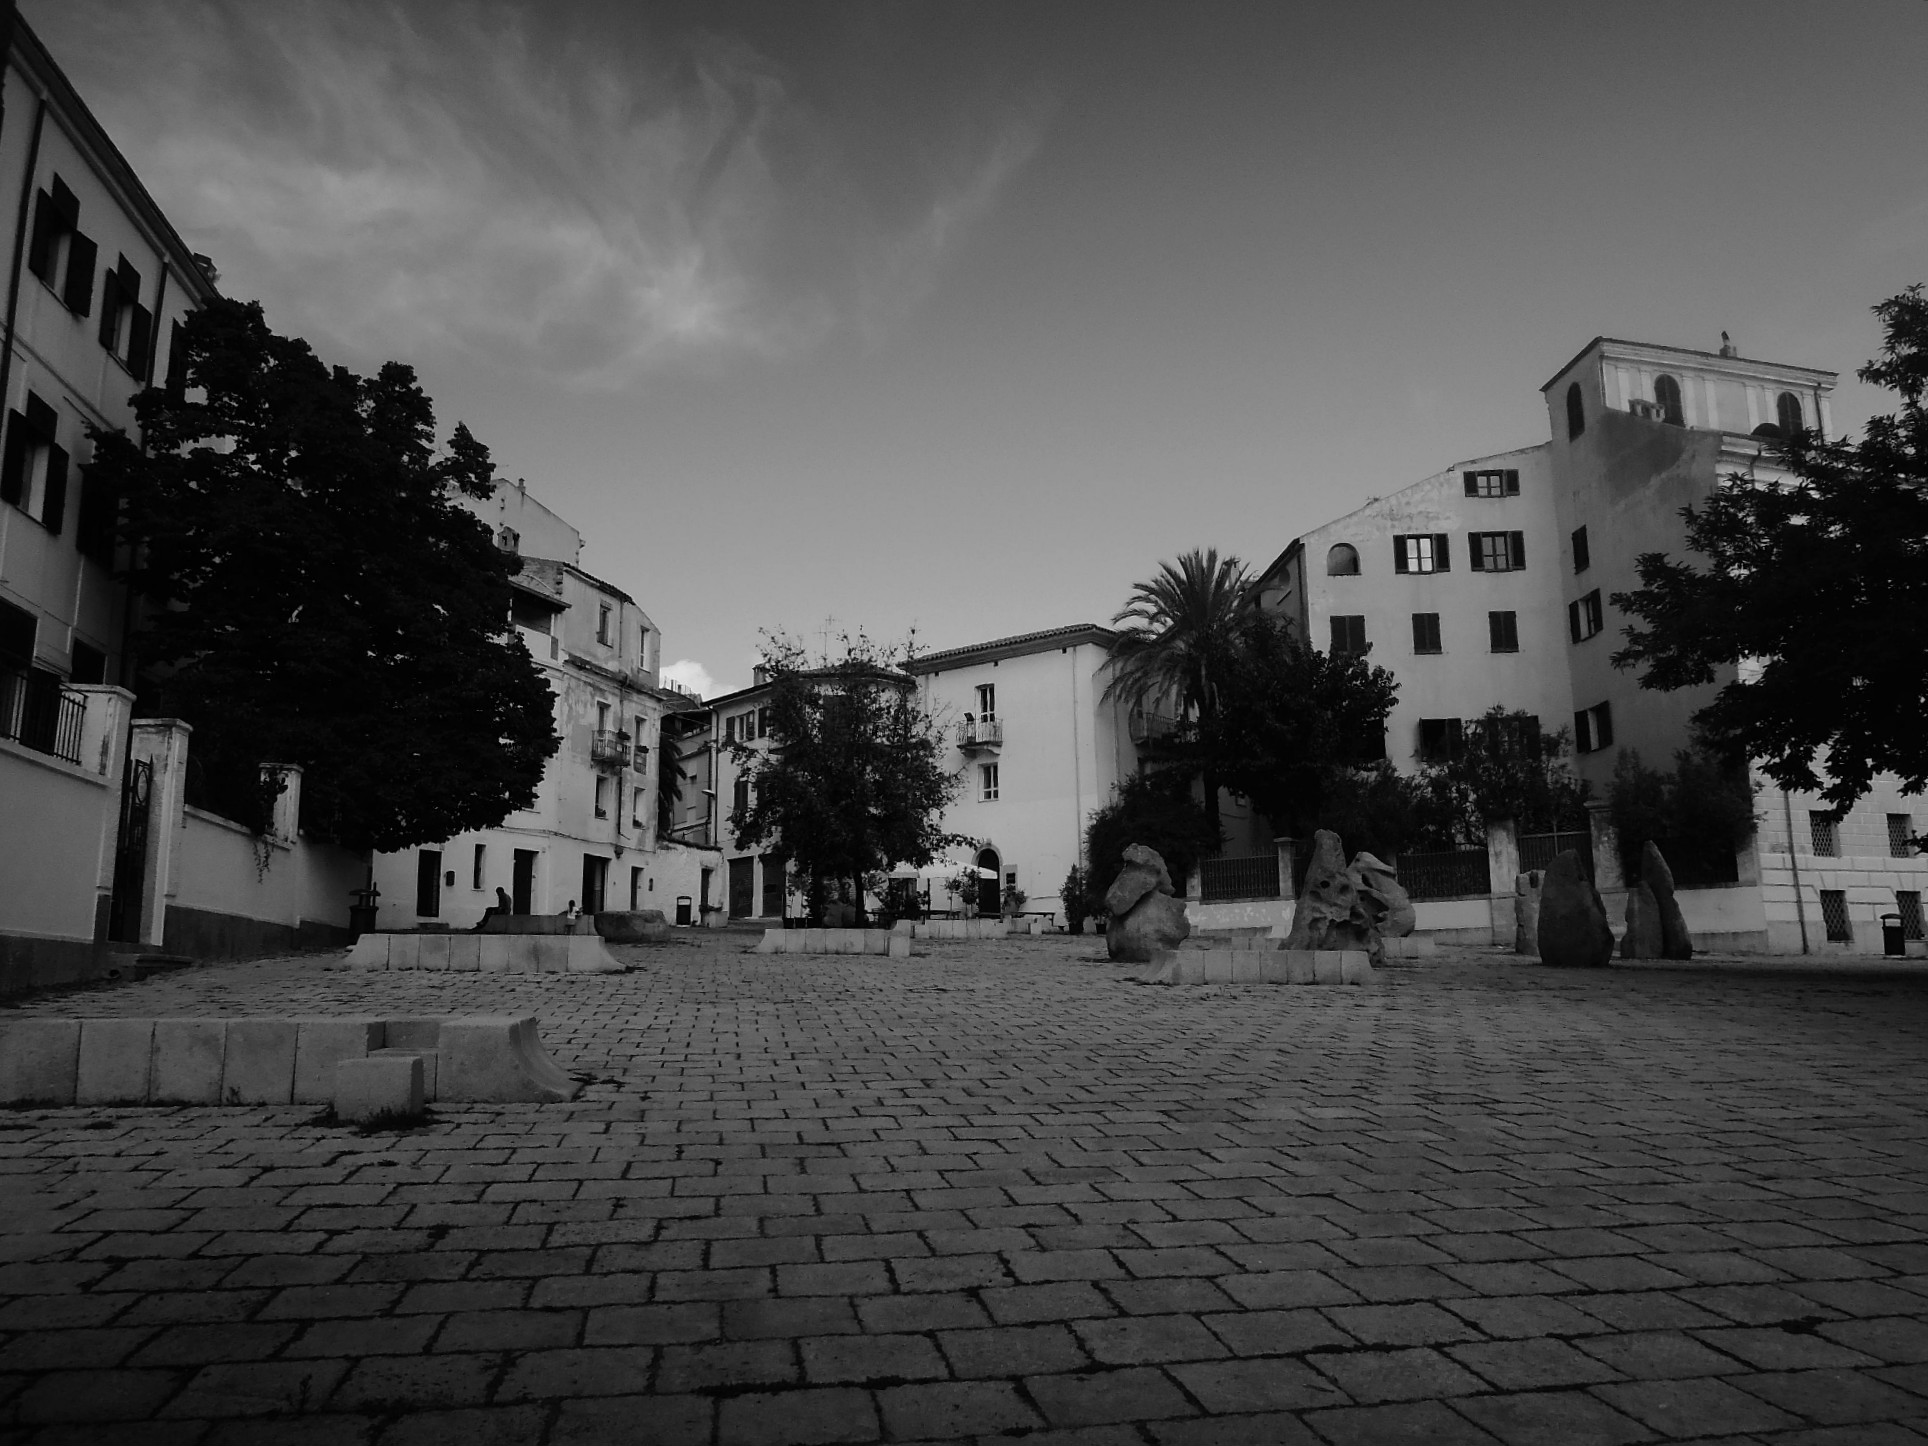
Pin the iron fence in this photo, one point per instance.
(1453, 874)
(1537, 850)
(1694, 863)
(1256, 877)
(37, 712)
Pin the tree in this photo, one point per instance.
(1700, 813)
(1503, 768)
(855, 782)
(1288, 721)
(1179, 641)
(1156, 809)
(1815, 594)
(316, 596)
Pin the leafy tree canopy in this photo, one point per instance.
(1503, 768)
(855, 782)
(1154, 808)
(1698, 814)
(1815, 593)
(317, 597)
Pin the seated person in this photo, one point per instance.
(502, 905)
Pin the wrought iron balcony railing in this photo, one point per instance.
(609, 750)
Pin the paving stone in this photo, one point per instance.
(1832, 1397)
(639, 1420)
(1011, 1351)
(1531, 1365)
(257, 1388)
(1424, 1423)
(798, 1418)
(1699, 1406)
(1097, 1397)
(1242, 1386)
(881, 1359)
(946, 1409)
(382, 1384)
(1538, 1418)
(587, 1371)
(1135, 1340)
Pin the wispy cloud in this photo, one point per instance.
(587, 200)
(692, 675)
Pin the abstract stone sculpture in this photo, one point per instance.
(1330, 912)
(1379, 888)
(1573, 931)
(1642, 939)
(1526, 912)
(1144, 914)
(633, 926)
(1675, 941)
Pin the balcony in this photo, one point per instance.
(609, 750)
(37, 711)
(1147, 725)
(974, 734)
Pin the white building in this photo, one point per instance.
(590, 838)
(1491, 583)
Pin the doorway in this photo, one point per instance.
(742, 888)
(522, 887)
(990, 900)
(428, 883)
(595, 882)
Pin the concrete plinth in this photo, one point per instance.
(378, 1084)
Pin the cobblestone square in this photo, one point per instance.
(1001, 1191)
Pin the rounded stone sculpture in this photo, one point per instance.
(1379, 886)
(1145, 915)
(633, 926)
(1642, 939)
(1573, 930)
(1675, 941)
(1330, 912)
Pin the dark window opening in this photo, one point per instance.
(1584, 617)
(1342, 560)
(126, 327)
(1834, 916)
(1498, 482)
(1901, 829)
(1582, 558)
(89, 665)
(1348, 635)
(1504, 630)
(595, 882)
(428, 883)
(1824, 830)
(1426, 633)
(1908, 905)
(33, 466)
(1498, 551)
(1441, 739)
(1576, 412)
(1787, 412)
(1593, 728)
(1667, 398)
(58, 253)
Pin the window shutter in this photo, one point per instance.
(1573, 620)
(53, 509)
(47, 231)
(1495, 632)
(1472, 484)
(1518, 540)
(1603, 726)
(1476, 556)
(1442, 559)
(1583, 731)
(140, 336)
(1399, 555)
(110, 306)
(79, 291)
(13, 467)
(1512, 482)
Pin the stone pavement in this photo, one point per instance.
(999, 1192)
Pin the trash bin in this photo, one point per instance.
(683, 910)
(1893, 942)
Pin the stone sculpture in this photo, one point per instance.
(1379, 888)
(633, 926)
(1655, 926)
(1573, 931)
(1526, 912)
(1642, 939)
(1330, 912)
(1145, 915)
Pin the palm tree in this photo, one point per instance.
(1179, 632)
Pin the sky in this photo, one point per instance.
(961, 318)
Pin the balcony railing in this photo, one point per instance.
(1147, 725)
(37, 712)
(985, 732)
(609, 750)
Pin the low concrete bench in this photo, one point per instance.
(955, 928)
(496, 1059)
(577, 953)
(835, 941)
(1258, 966)
(1410, 946)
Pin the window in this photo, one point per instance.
(1787, 411)
(126, 327)
(1834, 916)
(1504, 631)
(763, 722)
(1342, 560)
(1583, 616)
(1426, 633)
(1667, 398)
(1499, 483)
(1441, 739)
(58, 253)
(776, 888)
(1901, 826)
(507, 539)
(1908, 905)
(602, 795)
(639, 807)
(33, 467)
(18, 630)
(1498, 551)
(740, 797)
(1824, 829)
(1593, 728)
(1513, 737)
(987, 782)
(94, 525)
(602, 717)
(1348, 635)
(89, 665)
(1576, 412)
(987, 700)
(635, 888)
(729, 729)
(602, 622)
(475, 874)
(1582, 559)
(1421, 552)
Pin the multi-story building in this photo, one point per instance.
(590, 838)
(1037, 748)
(1491, 583)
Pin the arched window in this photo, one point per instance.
(1342, 561)
(1667, 398)
(1576, 412)
(1787, 411)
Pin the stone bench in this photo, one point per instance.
(1258, 966)
(955, 928)
(44, 1060)
(577, 953)
(835, 941)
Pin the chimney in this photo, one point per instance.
(1727, 347)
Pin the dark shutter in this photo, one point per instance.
(17, 631)
(1512, 482)
(1476, 555)
(1442, 559)
(78, 294)
(1581, 560)
(48, 228)
(140, 336)
(1455, 738)
(1518, 541)
(53, 508)
(13, 466)
(110, 309)
(1583, 731)
(1573, 620)
(1399, 555)
(42, 420)
(1472, 484)
(1603, 726)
